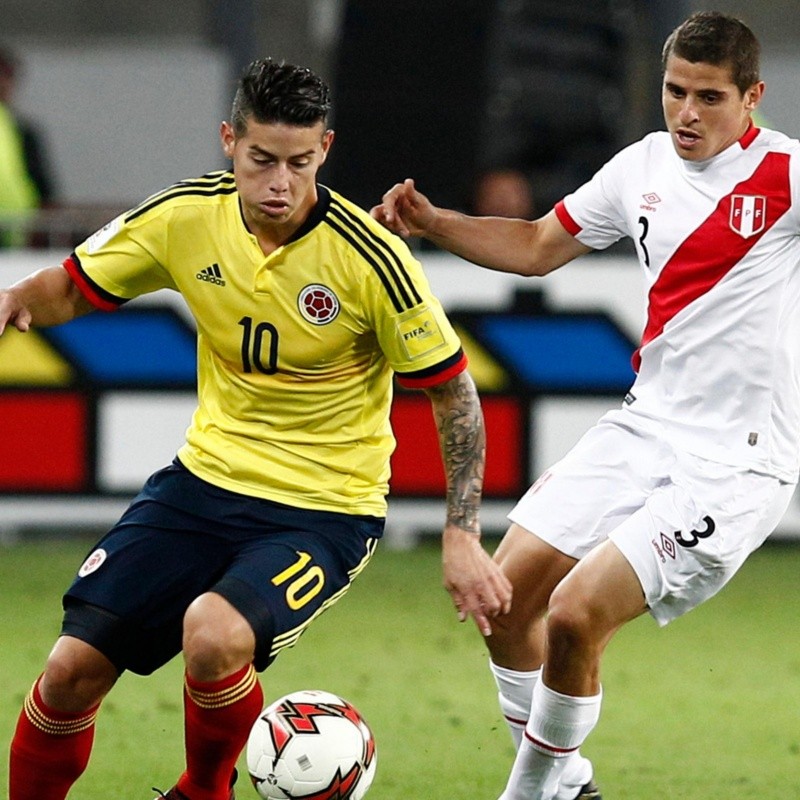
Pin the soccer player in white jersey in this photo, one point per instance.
(660, 503)
(306, 309)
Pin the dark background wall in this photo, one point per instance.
(130, 95)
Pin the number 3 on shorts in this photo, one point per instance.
(305, 582)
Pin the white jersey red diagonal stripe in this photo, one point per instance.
(719, 364)
(715, 248)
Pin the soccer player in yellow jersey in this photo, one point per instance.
(305, 309)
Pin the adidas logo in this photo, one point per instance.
(212, 274)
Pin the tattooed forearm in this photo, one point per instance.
(462, 439)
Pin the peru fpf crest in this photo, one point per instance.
(748, 214)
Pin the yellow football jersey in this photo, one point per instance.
(295, 350)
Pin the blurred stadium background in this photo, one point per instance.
(129, 97)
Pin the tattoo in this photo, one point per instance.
(462, 438)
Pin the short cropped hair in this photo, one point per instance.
(719, 39)
(271, 91)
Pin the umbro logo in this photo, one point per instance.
(650, 200)
(212, 274)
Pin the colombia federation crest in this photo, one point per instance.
(318, 304)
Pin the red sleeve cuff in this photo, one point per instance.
(565, 218)
(433, 376)
(98, 297)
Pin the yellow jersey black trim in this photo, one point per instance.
(316, 216)
(382, 250)
(271, 386)
(404, 283)
(208, 185)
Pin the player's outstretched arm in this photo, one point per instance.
(47, 297)
(475, 582)
(519, 246)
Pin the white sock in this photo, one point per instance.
(577, 772)
(515, 693)
(557, 727)
(534, 775)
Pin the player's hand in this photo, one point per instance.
(477, 586)
(12, 311)
(405, 211)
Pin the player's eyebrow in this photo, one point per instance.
(256, 148)
(705, 91)
(711, 90)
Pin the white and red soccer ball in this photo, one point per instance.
(312, 745)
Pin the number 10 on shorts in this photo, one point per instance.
(304, 582)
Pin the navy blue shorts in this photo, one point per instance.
(278, 565)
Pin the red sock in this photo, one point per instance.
(49, 751)
(218, 718)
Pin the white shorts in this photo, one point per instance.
(685, 524)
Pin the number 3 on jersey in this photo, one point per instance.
(643, 221)
(304, 582)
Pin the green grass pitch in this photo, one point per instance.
(707, 707)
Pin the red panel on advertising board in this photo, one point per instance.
(43, 441)
(417, 465)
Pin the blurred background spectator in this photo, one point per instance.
(34, 148)
(26, 182)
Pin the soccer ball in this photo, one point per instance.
(311, 745)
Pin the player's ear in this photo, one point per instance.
(227, 138)
(327, 141)
(753, 96)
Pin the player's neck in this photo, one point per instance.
(270, 239)
(276, 234)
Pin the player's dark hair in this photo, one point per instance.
(270, 92)
(718, 39)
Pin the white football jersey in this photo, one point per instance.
(718, 370)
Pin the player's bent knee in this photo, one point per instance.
(217, 639)
(516, 643)
(77, 676)
(569, 619)
(507, 631)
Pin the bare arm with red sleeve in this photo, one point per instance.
(47, 297)
(55, 295)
